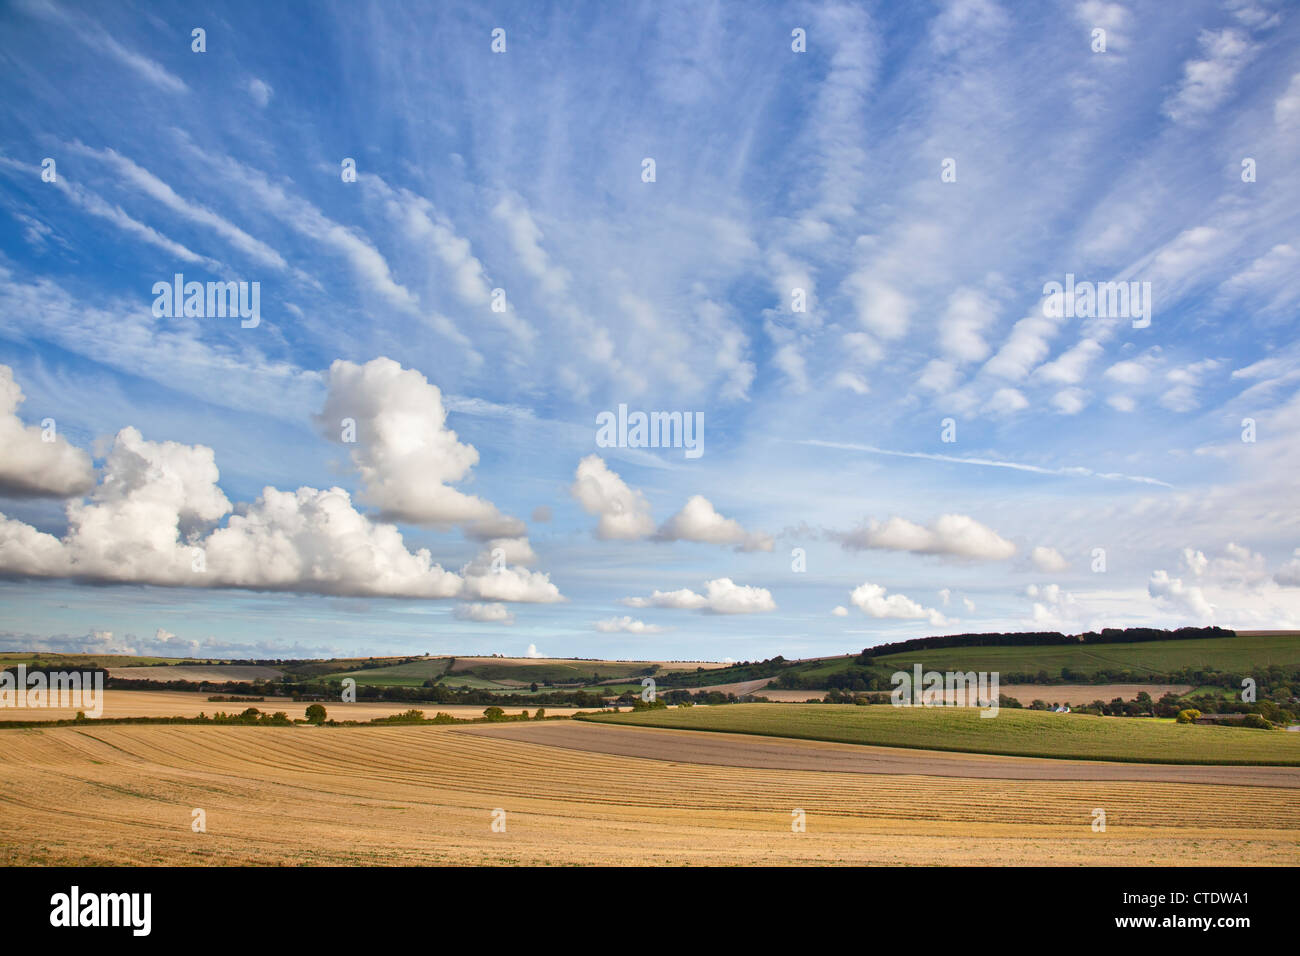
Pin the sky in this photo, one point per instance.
(854, 245)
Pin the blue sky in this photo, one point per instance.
(920, 173)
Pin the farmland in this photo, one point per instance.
(1012, 732)
(424, 795)
(170, 703)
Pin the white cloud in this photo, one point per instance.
(840, 611)
(624, 513)
(1128, 372)
(1207, 82)
(1289, 574)
(484, 613)
(533, 651)
(1006, 401)
(722, 596)
(1053, 605)
(260, 91)
(1172, 594)
(937, 376)
(30, 466)
(961, 329)
(882, 309)
(405, 453)
(144, 523)
(628, 625)
(1070, 367)
(871, 599)
(149, 184)
(1048, 560)
(1024, 348)
(1070, 401)
(951, 534)
(698, 521)
(1286, 111)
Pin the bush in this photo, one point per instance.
(1256, 721)
(1188, 716)
(315, 714)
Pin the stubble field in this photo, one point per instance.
(421, 795)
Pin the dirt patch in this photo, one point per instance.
(735, 750)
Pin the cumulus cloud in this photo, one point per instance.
(721, 596)
(1053, 605)
(840, 611)
(484, 613)
(30, 466)
(951, 534)
(406, 455)
(873, 601)
(1173, 594)
(152, 520)
(533, 651)
(699, 521)
(1236, 566)
(1048, 560)
(624, 513)
(628, 625)
(1289, 574)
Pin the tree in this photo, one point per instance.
(316, 714)
(494, 713)
(1188, 716)
(533, 687)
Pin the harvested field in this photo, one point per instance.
(1079, 695)
(735, 750)
(420, 795)
(215, 673)
(1023, 733)
(177, 703)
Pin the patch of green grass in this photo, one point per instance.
(410, 674)
(1019, 733)
(1221, 653)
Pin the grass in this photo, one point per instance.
(411, 674)
(1019, 733)
(74, 661)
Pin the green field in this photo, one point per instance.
(411, 674)
(1018, 733)
(1240, 654)
(73, 661)
(557, 672)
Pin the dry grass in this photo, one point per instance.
(416, 795)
